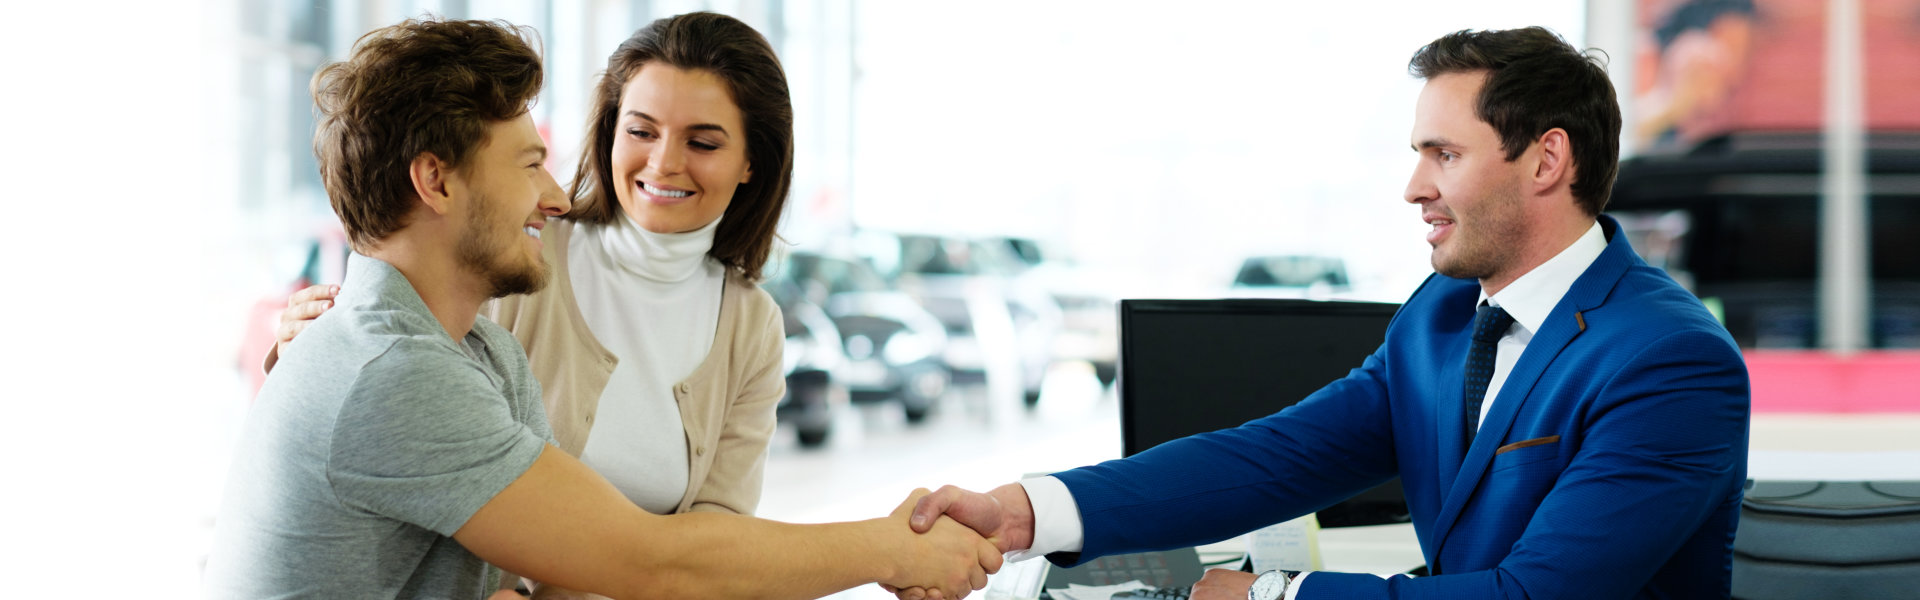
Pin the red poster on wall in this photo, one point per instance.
(1706, 68)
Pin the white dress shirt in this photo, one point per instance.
(653, 300)
(1529, 299)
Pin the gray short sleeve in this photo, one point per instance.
(426, 437)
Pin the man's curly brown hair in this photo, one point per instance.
(422, 86)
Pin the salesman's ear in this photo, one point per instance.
(1554, 166)
(431, 176)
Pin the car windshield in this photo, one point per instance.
(931, 255)
(837, 275)
(1291, 271)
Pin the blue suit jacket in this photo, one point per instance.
(1611, 464)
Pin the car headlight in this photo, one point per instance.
(908, 347)
(793, 352)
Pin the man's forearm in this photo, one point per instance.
(710, 555)
(561, 523)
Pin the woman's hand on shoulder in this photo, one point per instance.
(302, 308)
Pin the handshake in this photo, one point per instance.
(1003, 517)
(958, 539)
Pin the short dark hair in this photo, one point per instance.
(739, 56)
(1536, 81)
(422, 86)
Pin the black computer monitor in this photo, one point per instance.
(1193, 366)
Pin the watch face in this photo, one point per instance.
(1269, 586)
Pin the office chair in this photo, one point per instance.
(1835, 540)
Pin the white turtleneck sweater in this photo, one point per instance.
(654, 301)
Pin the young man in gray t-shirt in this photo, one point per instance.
(365, 454)
(400, 446)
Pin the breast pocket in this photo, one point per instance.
(1525, 452)
(1517, 481)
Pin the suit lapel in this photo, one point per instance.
(1562, 326)
(1554, 336)
(1448, 415)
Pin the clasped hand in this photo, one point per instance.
(944, 560)
(1004, 516)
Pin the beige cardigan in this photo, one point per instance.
(726, 405)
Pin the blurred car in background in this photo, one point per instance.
(1089, 303)
(1291, 276)
(893, 350)
(810, 358)
(971, 286)
(891, 345)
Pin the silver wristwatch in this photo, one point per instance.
(1271, 585)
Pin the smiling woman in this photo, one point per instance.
(693, 93)
(659, 356)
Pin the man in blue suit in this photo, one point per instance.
(1567, 421)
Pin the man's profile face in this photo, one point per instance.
(508, 183)
(1467, 190)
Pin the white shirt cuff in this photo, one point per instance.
(1056, 519)
(1056, 525)
(1293, 589)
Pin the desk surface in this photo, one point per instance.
(1834, 447)
(1382, 550)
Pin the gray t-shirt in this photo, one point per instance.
(375, 438)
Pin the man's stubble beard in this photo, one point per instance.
(1500, 230)
(483, 253)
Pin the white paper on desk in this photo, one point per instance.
(1291, 546)
(1076, 591)
(1017, 580)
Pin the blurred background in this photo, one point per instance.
(977, 183)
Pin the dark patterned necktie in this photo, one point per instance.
(1489, 323)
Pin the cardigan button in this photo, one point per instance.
(682, 388)
(589, 417)
(699, 450)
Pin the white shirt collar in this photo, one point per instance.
(661, 257)
(1532, 297)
